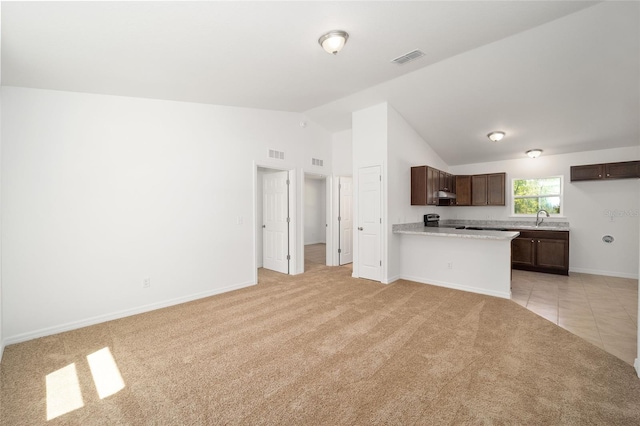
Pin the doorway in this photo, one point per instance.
(275, 220)
(315, 221)
(345, 220)
(369, 223)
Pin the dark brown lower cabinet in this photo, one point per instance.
(541, 251)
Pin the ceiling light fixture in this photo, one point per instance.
(496, 136)
(534, 153)
(333, 41)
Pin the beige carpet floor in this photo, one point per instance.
(323, 348)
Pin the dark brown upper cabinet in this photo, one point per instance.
(495, 189)
(479, 190)
(426, 182)
(463, 190)
(488, 190)
(419, 186)
(620, 170)
(474, 190)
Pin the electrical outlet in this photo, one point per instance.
(146, 283)
(450, 265)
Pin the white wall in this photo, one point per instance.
(1, 334)
(369, 138)
(587, 207)
(342, 153)
(100, 192)
(315, 211)
(405, 148)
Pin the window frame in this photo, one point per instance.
(514, 198)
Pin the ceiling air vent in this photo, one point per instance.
(408, 57)
(317, 162)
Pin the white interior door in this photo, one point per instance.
(369, 223)
(345, 219)
(275, 215)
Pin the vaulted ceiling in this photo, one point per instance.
(561, 76)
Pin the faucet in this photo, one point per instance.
(538, 220)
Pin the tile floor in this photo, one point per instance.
(602, 310)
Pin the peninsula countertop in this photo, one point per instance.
(420, 229)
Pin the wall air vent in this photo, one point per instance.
(317, 162)
(278, 155)
(408, 57)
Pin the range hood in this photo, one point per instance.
(446, 195)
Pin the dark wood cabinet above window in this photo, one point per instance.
(621, 170)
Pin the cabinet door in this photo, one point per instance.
(442, 180)
(463, 190)
(479, 190)
(552, 254)
(522, 251)
(432, 185)
(588, 172)
(451, 183)
(419, 186)
(624, 170)
(495, 189)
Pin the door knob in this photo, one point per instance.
(360, 228)
(264, 226)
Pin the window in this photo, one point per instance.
(531, 195)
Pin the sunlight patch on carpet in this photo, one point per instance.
(105, 372)
(63, 392)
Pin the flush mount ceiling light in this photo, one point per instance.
(534, 153)
(333, 41)
(496, 136)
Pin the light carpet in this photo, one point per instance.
(324, 348)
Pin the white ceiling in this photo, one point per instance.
(561, 76)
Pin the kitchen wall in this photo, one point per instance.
(99, 192)
(593, 208)
(315, 206)
(404, 146)
(370, 149)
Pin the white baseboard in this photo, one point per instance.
(1, 350)
(636, 365)
(391, 280)
(606, 273)
(117, 315)
(503, 295)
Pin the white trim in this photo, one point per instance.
(607, 273)
(391, 280)
(294, 243)
(453, 286)
(636, 365)
(121, 314)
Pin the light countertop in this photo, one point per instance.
(412, 229)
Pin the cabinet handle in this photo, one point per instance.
(608, 175)
(360, 228)
(532, 241)
(538, 240)
(599, 175)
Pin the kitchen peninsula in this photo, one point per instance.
(478, 261)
